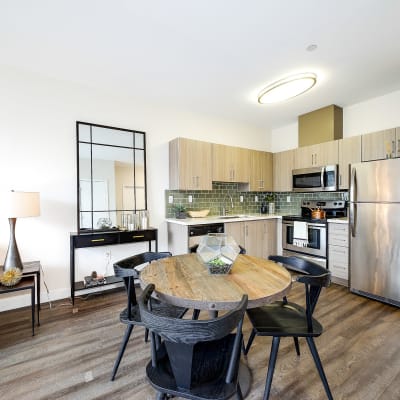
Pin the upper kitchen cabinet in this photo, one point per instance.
(190, 165)
(230, 164)
(349, 152)
(316, 155)
(283, 164)
(261, 171)
(380, 145)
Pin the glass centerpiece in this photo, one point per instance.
(218, 251)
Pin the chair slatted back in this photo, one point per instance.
(314, 277)
(126, 269)
(182, 336)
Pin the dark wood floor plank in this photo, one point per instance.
(72, 354)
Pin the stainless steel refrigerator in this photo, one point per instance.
(375, 230)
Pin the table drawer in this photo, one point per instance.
(137, 236)
(95, 240)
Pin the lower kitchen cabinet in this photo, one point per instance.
(259, 238)
(338, 252)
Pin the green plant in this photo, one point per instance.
(179, 208)
(270, 197)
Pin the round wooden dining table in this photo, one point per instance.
(184, 281)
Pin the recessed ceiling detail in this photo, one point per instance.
(287, 88)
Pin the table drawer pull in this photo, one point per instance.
(138, 236)
(97, 240)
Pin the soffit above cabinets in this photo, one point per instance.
(322, 125)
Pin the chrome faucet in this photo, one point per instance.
(223, 208)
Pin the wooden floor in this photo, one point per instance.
(72, 354)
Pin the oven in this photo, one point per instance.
(307, 238)
(314, 245)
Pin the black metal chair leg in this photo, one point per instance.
(296, 344)
(146, 335)
(317, 360)
(250, 341)
(271, 366)
(196, 314)
(122, 348)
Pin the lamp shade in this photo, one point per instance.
(21, 204)
(15, 205)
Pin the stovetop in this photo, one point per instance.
(332, 208)
(305, 219)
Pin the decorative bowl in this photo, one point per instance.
(198, 213)
(11, 277)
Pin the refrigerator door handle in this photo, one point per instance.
(353, 199)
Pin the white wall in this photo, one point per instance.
(368, 116)
(38, 153)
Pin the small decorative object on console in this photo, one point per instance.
(218, 251)
(11, 277)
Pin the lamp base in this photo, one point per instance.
(13, 259)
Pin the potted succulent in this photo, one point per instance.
(180, 211)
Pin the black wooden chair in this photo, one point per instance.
(194, 359)
(286, 319)
(131, 315)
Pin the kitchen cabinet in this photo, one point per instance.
(190, 165)
(380, 145)
(230, 164)
(261, 171)
(283, 164)
(349, 152)
(316, 155)
(338, 252)
(259, 238)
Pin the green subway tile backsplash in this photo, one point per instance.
(220, 195)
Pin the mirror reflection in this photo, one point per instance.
(111, 176)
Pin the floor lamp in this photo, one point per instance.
(18, 205)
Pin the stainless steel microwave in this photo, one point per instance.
(315, 179)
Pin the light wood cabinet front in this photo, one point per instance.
(379, 145)
(283, 164)
(259, 238)
(349, 152)
(316, 155)
(190, 165)
(230, 164)
(261, 171)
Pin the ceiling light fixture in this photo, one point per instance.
(287, 88)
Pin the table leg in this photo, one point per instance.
(38, 292)
(33, 309)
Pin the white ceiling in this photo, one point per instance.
(210, 56)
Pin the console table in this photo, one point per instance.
(94, 239)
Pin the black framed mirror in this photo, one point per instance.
(111, 179)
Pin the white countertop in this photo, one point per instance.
(221, 219)
(344, 220)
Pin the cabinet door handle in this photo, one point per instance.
(315, 159)
(98, 240)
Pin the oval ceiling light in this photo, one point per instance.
(287, 88)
